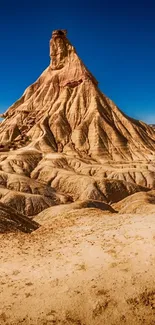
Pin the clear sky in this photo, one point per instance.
(114, 38)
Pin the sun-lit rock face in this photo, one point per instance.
(70, 141)
(64, 111)
(59, 49)
(63, 56)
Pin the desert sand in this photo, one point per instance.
(87, 268)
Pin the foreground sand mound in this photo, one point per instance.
(137, 203)
(46, 215)
(12, 221)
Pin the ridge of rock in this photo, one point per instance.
(11, 220)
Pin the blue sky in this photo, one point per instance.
(115, 39)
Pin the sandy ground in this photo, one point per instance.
(82, 268)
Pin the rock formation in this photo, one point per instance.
(64, 141)
(11, 220)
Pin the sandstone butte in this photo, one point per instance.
(65, 142)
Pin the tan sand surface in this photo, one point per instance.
(84, 268)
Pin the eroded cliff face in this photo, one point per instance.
(65, 111)
(70, 142)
